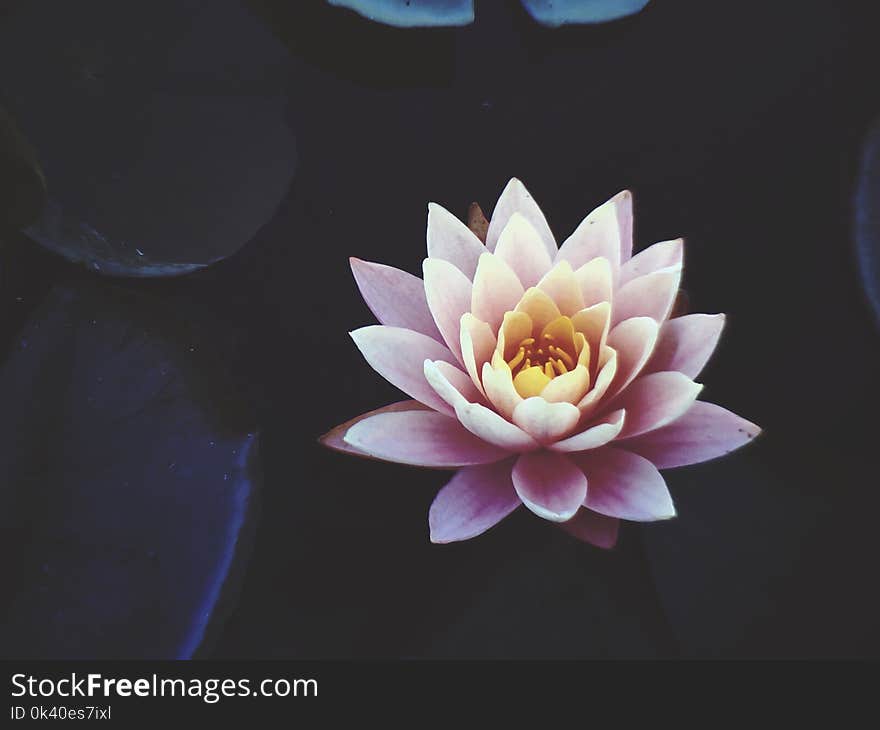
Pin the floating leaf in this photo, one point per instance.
(867, 212)
(562, 12)
(161, 128)
(125, 480)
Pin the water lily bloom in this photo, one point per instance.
(548, 376)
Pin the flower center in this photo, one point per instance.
(541, 356)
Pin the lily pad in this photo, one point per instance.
(161, 128)
(867, 223)
(413, 13)
(562, 12)
(126, 482)
(22, 186)
(446, 13)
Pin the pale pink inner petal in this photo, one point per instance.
(686, 343)
(546, 422)
(661, 255)
(498, 384)
(335, 437)
(706, 431)
(591, 527)
(448, 292)
(477, 345)
(595, 281)
(477, 498)
(600, 433)
(522, 249)
(432, 439)
(461, 381)
(451, 240)
(396, 297)
(654, 400)
(569, 387)
(625, 485)
(607, 371)
(398, 355)
(634, 341)
(562, 287)
(651, 296)
(597, 235)
(624, 206)
(516, 199)
(496, 290)
(550, 485)
(476, 418)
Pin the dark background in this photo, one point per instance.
(736, 125)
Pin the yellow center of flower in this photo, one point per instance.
(544, 355)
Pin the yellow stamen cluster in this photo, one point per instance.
(542, 356)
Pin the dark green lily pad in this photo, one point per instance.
(127, 478)
(161, 128)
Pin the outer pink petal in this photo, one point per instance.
(634, 340)
(476, 498)
(596, 281)
(625, 486)
(659, 256)
(550, 485)
(496, 290)
(398, 355)
(655, 400)
(449, 296)
(599, 234)
(420, 438)
(686, 343)
(396, 297)
(459, 380)
(544, 421)
(334, 438)
(516, 199)
(705, 432)
(451, 240)
(521, 248)
(593, 528)
(598, 434)
(651, 296)
(624, 202)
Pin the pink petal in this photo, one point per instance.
(334, 438)
(550, 485)
(476, 418)
(398, 355)
(477, 345)
(451, 240)
(686, 343)
(522, 249)
(449, 296)
(706, 431)
(651, 296)
(396, 297)
(595, 280)
(599, 234)
(634, 340)
(545, 422)
(600, 433)
(655, 400)
(516, 199)
(461, 381)
(625, 486)
(561, 285)
(593, 528)
(498, 384)
(476, 498)
(421, 438)
(661, 255)
(624, 203)
(496, 290)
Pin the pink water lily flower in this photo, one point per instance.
(548, 376)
